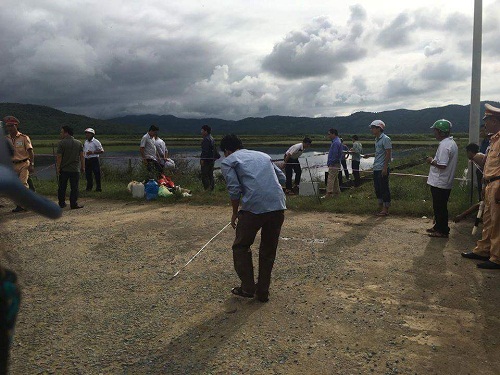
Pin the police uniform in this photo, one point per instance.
(488, 247)
(21, 144)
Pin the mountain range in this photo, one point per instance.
(36, 119)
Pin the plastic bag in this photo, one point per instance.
(164, 192)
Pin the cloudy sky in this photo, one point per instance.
(238, 58)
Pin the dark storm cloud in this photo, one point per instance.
(48, 60)
(318, 50)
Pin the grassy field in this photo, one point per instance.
(410, 195)
(120, 143)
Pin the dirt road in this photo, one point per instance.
(350, 295)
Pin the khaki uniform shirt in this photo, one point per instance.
(492, 165)
(21, 144)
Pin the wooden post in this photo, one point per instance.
(55, 163)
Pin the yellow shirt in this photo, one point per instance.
(21, 143)
(492, 165)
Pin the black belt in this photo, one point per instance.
(489, 180)
(19, 161)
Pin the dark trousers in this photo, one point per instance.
(382, 191)
(440, 206)
(74, 179)
(207, 175)
(292, 165)
(92, 166)
(154, 169)
(355, 172)
(248, 225)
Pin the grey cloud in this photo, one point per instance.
(400, 87)
(358, 13)
(433, 49)
(397, 33)
(318, 50)
(458, 23)
(491, 29)
(444, 72)
(359, 83)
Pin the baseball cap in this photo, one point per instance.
(90, 130)
(378, 123)
(10, 120)
(443, 125)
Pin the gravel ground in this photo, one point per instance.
(350, 295)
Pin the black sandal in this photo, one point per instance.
(238, 291)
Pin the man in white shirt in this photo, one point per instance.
(441, 175)
(162, 154)
(149, 153)
(292, 164)
(92, 148)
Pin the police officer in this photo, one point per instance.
(488, 247)
(23, 157)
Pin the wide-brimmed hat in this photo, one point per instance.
(489, 111)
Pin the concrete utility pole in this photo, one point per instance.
(475, 99)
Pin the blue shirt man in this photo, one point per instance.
(382, 143)
(383, 152)
(252, 177)
(335, 153)
(335, 156)
(254, 181)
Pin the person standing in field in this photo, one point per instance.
(69, 163)
(207, 159)
(441, 175)
(356, 151)
(488, 247)
(148, 152)
(23, 157)
(383, 151)
(92, 148)
(254, 181)
(343, 161)
(292, 164)
(333, 163)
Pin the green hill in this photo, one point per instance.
(40, 120)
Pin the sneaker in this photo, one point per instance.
(18, 209)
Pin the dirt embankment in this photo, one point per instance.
(350, 295)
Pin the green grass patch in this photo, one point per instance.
(410, 195)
